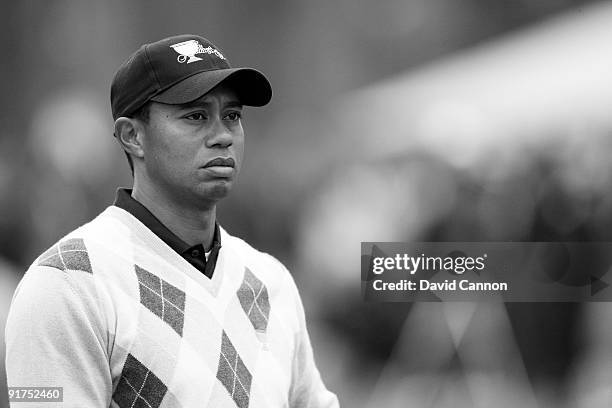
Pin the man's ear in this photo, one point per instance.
(129, 132)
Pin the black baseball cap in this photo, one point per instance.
(180, 69)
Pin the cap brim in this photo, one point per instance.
(251, 86)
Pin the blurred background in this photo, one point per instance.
(418, 120)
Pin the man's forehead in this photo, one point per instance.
(222, 94)
(224, 100)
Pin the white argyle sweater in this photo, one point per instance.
(118, 319)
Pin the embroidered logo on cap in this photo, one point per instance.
(187, 51)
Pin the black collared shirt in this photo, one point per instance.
(195, 255)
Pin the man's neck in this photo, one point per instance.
(194, 226)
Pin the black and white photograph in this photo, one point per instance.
(306, 204)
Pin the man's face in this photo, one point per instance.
(193, 152)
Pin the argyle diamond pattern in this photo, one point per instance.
(253, 296)
(233, 374)
(70, 254)
(161, 298)
(138, 386)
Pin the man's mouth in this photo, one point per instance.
(221, 162)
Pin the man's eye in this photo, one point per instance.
(196, 116)
(233, 116)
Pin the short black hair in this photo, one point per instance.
(143, 113)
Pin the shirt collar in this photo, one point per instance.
(125, 201)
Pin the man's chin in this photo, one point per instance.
(216, 190)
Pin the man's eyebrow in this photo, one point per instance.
(233, 104)
(204, 104)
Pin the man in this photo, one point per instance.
(152, 303)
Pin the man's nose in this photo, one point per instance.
(219, 136)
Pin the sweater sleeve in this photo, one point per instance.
(55, 338)
(307, 388)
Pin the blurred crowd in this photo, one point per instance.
(391, 121)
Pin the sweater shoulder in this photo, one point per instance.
(72, 251)
(69, 253)
(252, 256)
(274, 274)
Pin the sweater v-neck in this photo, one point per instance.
(196, 255)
